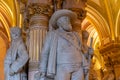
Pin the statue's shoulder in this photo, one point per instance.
(21, 42)
(51, 33)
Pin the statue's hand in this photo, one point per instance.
(91, 51)
(86, 71)
(39, 75)
(42, 74)
(11, 73)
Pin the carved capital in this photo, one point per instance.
(40, 8)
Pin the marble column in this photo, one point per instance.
(38, 16)
(38, 30)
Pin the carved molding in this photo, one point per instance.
(38, 22)
(37, 26)
(111, 47)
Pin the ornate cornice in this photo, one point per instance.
(110, 52)
(110, 47)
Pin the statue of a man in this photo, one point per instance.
(16, 57)
(61, 56)
(87, 50)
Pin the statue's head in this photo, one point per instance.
(15, 32)
(64, 23)
(62, 19)
(85, 35)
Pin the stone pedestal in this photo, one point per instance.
(38, 30)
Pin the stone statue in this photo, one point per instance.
(16, 57)
(87, 50)
(61, 57)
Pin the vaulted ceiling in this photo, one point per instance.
(7, 17)
(104, 17)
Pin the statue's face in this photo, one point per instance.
(15, 34)
(64, 23)
(85, 35)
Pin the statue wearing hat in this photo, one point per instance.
(16, 57)
(61, 57)
(87, 50)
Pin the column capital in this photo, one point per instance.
(40, 8)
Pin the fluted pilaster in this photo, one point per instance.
(38, 14)
(38, 30)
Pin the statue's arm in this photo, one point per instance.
(7, 63)
(90, 49)
(45, 53)
(21, 60)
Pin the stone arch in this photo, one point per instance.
(5, 25)
(6, 12)
(99, 22)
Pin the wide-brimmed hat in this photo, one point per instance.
(57, 14)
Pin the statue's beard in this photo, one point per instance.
(67, 28)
